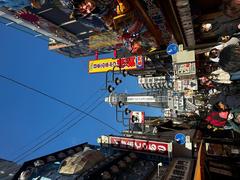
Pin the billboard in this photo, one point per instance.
(141, 99)
(153, 82)
(140, 145)
(186, 84)
(104, 39)
(183, 56)
(148, 80)
(105, 65)
(137, 117)
(185, 69)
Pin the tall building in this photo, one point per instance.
(72, 34)
(8, 169)
(117, 157)
(139, 156)
(166, 99)
(148, 25)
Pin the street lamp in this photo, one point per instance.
(117, 81)
(114, 80)
(127, 111)
(120, 104)
(124, 73)
(110, 88)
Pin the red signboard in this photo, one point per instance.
(141, 145)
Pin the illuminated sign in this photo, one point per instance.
(140, 145)
(131, 99)
(137, 117)
(137, 144)
(104, 65)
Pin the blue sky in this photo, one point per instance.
(24, 114)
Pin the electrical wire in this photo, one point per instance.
(58, 123)
(55, 132)
(40, 145)
(43, 133)
(56, 136)
(58, 100)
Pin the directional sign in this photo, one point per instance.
(172, 49)
(180, 138)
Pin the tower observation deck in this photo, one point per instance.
(151, 99)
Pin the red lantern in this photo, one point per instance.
(96, 55)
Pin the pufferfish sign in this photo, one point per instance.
(110, 64)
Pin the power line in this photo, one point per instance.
(63, 120)
(58, 100)
(39, 146)
(58, 130)
(62, 102)
(44, 133)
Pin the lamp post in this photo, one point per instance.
(121, 116)
(114, 80)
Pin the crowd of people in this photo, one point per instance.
(223, 88)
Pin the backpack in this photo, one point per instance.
(214, 119)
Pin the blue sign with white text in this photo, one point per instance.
(172, 49)
(180, 138)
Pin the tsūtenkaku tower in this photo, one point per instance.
(165, 99)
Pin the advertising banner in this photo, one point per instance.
(186, 84)
(185, 69)
(137, 117)
(141, 145)
(110, 64)
(183, 56)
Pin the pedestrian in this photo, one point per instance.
(215, 51)
(173, 113)
(220, 76)
(216, 120)
(231, 8)
(230, 59)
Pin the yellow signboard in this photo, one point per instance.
(104, 65)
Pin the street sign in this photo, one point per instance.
(180, 138)
(172, 49)
(109, 64)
